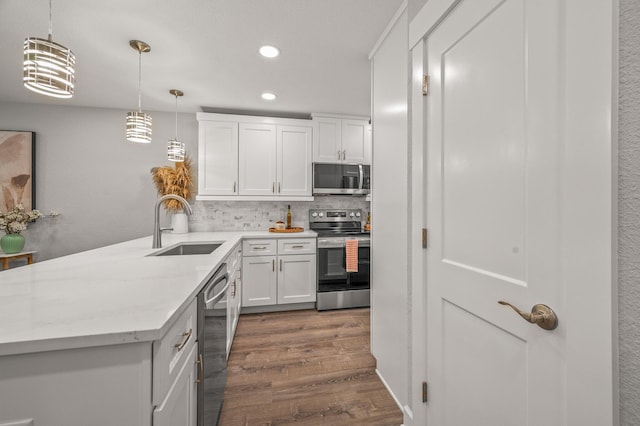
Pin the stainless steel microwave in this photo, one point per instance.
(341, 179)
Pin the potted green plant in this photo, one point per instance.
(13, 222)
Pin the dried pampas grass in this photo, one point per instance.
(177, 181)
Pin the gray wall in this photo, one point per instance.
(86, 171)
(629, 213)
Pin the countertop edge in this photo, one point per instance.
(19, 347)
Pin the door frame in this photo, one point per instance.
(589, 224)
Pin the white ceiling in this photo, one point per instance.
(206, 48)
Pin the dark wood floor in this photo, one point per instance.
(305, 367)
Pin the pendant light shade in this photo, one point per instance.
(175, 148)
(48, 67)
(139, 123)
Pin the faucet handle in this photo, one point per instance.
(166, 229)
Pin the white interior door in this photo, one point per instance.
(497, 152)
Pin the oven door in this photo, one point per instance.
(332, 274)
(360, 280)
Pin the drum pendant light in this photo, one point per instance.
(175, 148)
(139, 123)
(48, 67)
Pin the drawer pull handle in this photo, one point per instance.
(297, 247)
(186, 336)
(260, 248)
(201, 369)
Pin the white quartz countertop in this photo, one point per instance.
(110, 295)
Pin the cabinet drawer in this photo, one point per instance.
(259, 247)
(170, 352)
(297, 246)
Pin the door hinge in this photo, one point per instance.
(424, 238)
(425, 85)
(424, 392)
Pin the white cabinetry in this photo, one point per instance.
(294, 159)
(180, 404)
(258, 157)
(279, 272)
(136, 384)
(217, 157)
(341, 139)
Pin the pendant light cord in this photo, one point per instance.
(176, 117)
(139, 81)
(50, 21)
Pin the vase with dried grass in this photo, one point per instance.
(177, 180)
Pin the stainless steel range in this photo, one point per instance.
(337, 288)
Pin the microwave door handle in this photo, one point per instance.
(360, 176)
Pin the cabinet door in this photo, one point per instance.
(217, 158)
(257, 153)
(296, 278)
(354, 140)
(294, 160)
(180, 405)
(327, 147)
(259, 281)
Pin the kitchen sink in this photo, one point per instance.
(184, 249)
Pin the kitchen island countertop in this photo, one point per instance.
(109, 295)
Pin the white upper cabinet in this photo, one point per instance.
(258, 143)
(249, 158)
(341, 139)
(328, 142)
(294, 160)
(218, 158)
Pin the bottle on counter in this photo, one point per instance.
(367, 226)
(289, 216)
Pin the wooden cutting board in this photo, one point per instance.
(292, 229)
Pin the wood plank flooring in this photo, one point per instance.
(305, 368)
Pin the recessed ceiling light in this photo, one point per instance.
(268, 96)
(269, 51)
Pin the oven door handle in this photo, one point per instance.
(324, 244)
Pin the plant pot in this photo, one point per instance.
(179, 223)
(12, 243)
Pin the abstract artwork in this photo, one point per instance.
(17, 180)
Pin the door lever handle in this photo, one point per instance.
(542, 315)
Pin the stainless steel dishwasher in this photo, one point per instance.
(212, 346)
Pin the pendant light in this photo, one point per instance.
(139, 123)
(48, 67)
(175, 148)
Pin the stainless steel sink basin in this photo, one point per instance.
(184, 249)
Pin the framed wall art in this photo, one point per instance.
(17, 169)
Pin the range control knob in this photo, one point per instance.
(314, 214)
(351, 214)
(321, 214)
(357, 214)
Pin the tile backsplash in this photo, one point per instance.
(262, 215)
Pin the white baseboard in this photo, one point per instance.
(384, 382)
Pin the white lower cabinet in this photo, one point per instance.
(136, 384)
(297, 278)
(180, 404)
(259, 281)
(285, 278)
